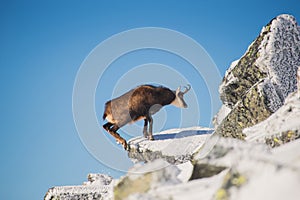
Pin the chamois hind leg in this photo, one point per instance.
(150, 136)
(112, 129)
(145, 131)
(107, 126)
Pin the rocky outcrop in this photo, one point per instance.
(174, 146)
(232, 170)
(255, 86)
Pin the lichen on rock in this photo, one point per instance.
(250, 110)
(231, 180)
(143, 178)
(281, 127)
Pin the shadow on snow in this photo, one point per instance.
(181, 134)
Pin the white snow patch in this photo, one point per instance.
(186, 171)
(285, 118)
(230, 78)
(173, 142)
(222, 113)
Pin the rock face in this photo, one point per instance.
(255, 86)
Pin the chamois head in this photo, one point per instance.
(179, 101)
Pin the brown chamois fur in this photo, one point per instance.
(139, 103)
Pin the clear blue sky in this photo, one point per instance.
(43, 44)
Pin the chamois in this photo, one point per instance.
(140, 103)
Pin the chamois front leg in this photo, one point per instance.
(145, 130)
(112, 129)
(150, 136)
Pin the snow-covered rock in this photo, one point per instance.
(98, 186)
(233, 169)
(144, 178)
(281, 127)
(255, 86)
(204, 188)
(222, 113)
(174, 145)
(255, 171)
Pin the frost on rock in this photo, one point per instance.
(98, 187)
(280, 55)
(269, 66)
(174, 146)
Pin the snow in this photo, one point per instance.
(286, 118)
(141, 169)
(272, 174)
(192, 190)
(173, 142)
(173, 173)
(186, 170)
(222, 113)
(230, 78)
(284, 154)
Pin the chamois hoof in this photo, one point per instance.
(151, 138)
(126, 147)
(123, 143)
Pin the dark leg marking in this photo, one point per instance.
(112, 129)
(150, 127)
(145, 131)
(107, 126)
